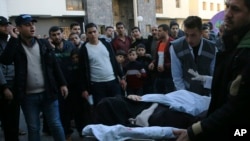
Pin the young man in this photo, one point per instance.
(62, 50)
(121, 41)
(37, 78)
(109, 34)
(230, 88)
(192, 52)
(75, 28)
(99, 68)
(161, 63)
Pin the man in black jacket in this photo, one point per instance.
(37, 78)
(99, 68)
(230, 87)
(9, 106)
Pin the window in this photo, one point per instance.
(158, 4)
(218, 7)
(74, 5)
(204, 6)
(177, 3)
(211, 7)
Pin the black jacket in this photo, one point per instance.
(53, 77)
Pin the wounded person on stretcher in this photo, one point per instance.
(120, 110)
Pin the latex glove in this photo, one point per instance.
(197, 76)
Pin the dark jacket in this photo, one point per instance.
(85, 67)
(230, 94)
(53, 77)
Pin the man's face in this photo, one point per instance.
(205, 33)
(154, 32)
(236, 16)
(4, 29)
(27, 30)
(56, 36)
(75, 39)
(193, 36)
(136, 34)
(161, 33)
(76, 29)
(120, 29)
(92, 34)
(109, 32)
(174, 30)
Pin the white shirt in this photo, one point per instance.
(100, 66)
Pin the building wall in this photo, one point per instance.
(146, 9)
(196, 8)
(40, 8)
(99, 11)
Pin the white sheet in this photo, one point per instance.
(181, 100)
(122, 133)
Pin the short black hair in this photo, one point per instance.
(55, 28)
(119, 23)
(193, 22)
(90, 25)
(136, 27)
(172, 23)
(107, 27)
(72, 33)
(165, 27)
(74, 24)
(205, 26)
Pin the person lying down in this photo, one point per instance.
(178, 109)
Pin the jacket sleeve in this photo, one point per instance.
(83, 68)
(2, 78)
(8, 55)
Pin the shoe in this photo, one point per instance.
(21, 132)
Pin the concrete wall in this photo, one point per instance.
(147, 11)
(40, 7)
(99, 11)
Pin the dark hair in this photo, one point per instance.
(205, 26)
(165, 27)
(210, 25)
(72, 33)
(107, 27)
(90, 25)
(54, 29)
(136, 28)
(119, 23)
(131, 50)
(193, 22)
(172, 23)
(74, 24)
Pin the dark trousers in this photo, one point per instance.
(10, 113)
(164, 85)
(101, 90)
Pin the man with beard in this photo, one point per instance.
(230, 87)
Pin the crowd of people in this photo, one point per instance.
(75, 79)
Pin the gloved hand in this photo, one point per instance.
(197, 76)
